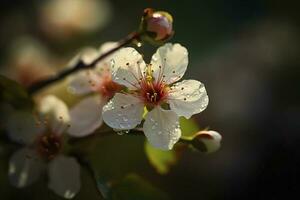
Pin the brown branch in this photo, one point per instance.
(80, 65)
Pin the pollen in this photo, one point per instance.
(153, 93)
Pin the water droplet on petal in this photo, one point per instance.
(154, 58)
(69, 194)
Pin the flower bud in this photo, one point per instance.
(207, 141)
(156, 26)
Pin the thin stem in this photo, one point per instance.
(80, 65)
(108, 132)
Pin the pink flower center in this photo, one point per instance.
(49, 145)
(153, 93)
(106, 86)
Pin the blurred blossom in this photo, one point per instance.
(86, 116)
(28, 61)
(65, 18)
(154, 86)
(43, 144)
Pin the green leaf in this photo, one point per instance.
(113, 156)
(134, 187)
(160, 160)
(14, 94)
(188, 128)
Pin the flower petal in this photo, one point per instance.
(107, 46)
(188, 97)
(88, 55)
(56, 111)
(127, 67)
(104, 48)
(83, 82)
(86, 116)
(123, 112)
(21, 126)
(24, 168)
(162, 129)
(169, 62)
(64, 176)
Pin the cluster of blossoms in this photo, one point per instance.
(122, 91)
(128, 87)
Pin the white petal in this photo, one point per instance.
(21, 126)
(170, 61)
(64, 176)
(86, 116)
(86, 55)
(24, 168)
(127, 67)
(211, 139)
(162, 129)
(104, 64)
(83, 82)
(188, 97)
(104, 48)
(56, 112)
(107, 46)
(123, 112)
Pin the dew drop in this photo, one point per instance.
(154, 58)
(112, 63)
(120, 133)
(69, 194)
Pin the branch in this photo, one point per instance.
(80, 65)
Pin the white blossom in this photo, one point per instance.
(42, 138)
(64, 18)
(97, 85)
(153, 86)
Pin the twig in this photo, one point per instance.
(80, 65)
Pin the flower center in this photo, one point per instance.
(49, 145)
(153, 93)
(108, 88)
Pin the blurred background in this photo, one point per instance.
(247, 54)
